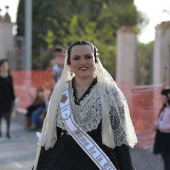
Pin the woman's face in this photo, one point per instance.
(164, 99)
(59, 58)
(4, 67)
(82, 61)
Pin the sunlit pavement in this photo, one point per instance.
(18, 153)
(145, 160)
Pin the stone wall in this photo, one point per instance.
(127, 55)
(161, 53)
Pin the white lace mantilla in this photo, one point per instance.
(105, 101)
(88, 114)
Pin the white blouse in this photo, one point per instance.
(164, 120)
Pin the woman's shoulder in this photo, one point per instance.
(167, 109)
(114, 89)
(9, 77)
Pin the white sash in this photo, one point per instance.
(81, 137)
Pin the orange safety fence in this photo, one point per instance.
(144, 104)
(26, 82)
(144, 101)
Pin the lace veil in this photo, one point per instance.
(117, 128)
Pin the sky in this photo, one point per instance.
(153, 10)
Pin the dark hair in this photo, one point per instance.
(40, 89)
(165, 92)
(57, 50)
(83, 42)
(2, 61)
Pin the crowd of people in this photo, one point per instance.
(37, 109)
(39, 102)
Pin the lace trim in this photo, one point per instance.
(76, 100)
(88, 113)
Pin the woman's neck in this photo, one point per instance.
(4, 74)
(83, 83)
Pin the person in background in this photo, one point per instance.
(37, 106)
(59, 64)
(38, 115)
(162, 128)
(7, 95)
(86, 111)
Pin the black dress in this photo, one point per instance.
(68, 155)
(162, 140)
(162, 143)
(6, 94)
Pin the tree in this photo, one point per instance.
(61, 22)
(144, 63)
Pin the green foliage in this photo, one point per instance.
(144, 63)
(60, 22)
(49, 39)
(20, 18)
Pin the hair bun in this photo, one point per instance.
(165, 91)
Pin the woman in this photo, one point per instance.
(162, 128)
(6, 95)
(97, 110)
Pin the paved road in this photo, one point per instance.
(18, 153)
